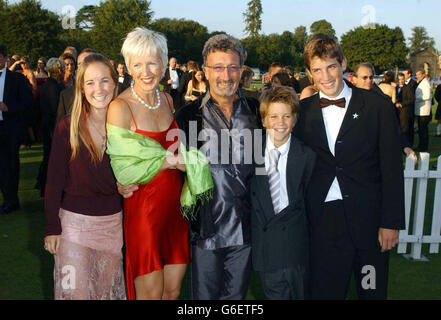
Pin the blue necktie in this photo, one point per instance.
(274, 178)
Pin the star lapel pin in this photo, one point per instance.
(355, 115)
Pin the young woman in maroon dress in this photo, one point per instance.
(156, 234)
(83, 207)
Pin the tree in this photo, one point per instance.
(322, 26)
(385, 48)
(420, 40)
(84, 18)
(300, 37)
(112, 20)
(253, 22)
(79, 37)
(185, 38)
(37, 34)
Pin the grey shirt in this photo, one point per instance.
(228, 147)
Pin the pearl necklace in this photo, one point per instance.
(158, 97)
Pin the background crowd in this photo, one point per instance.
(51, 85)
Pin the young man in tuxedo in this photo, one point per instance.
(170, 82)
(355, 199)
(279, 228)
(15, 97)
(408, 103)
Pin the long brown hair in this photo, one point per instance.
(81, 107)
(195, 82)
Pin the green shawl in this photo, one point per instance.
(137, 159)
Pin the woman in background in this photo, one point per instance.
(197, 86)
(387, 86)
(69, 75)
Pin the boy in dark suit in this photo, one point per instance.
(279, 228)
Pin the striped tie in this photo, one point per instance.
(274, 178)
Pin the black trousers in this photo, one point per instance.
(9, 163)
(176, 98)
(404, 118)
(285, 284)
(334, 258)
(410, 132)
(220, 274)
(423, 132)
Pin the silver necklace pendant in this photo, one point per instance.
(142, 101)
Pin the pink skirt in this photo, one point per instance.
(88, 264)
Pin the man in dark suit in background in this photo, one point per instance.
(185, 79)
(170, 82)
(364, 78)
(15, 97)
(355, 200)
(124, 79)
(408, 104)
(49, 98)
(67, 95)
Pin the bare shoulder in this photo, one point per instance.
(169, 97)
(168, 100)
(307, 92)
(118, 113)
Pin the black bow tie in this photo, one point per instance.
(173, 68)
(326, 102)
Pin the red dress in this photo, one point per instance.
(155, 232)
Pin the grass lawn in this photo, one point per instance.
(26, 269)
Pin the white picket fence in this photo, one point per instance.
(416, 238)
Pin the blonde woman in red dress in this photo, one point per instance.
(156, 234)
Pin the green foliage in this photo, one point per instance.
(385, 48)
(420, 40)
(322, 26)
(112, 20)
(84, 17)
(37, 32)
(300, 37)
(253, 22)
(27, 29)
(285, 48)
(185, 38)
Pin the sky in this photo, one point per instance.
(281, 15)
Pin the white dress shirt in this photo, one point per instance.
(281, 167)
(2, 88)
(333, 118)
(174, 78)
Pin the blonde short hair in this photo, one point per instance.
(142, 41)
(282, 94)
